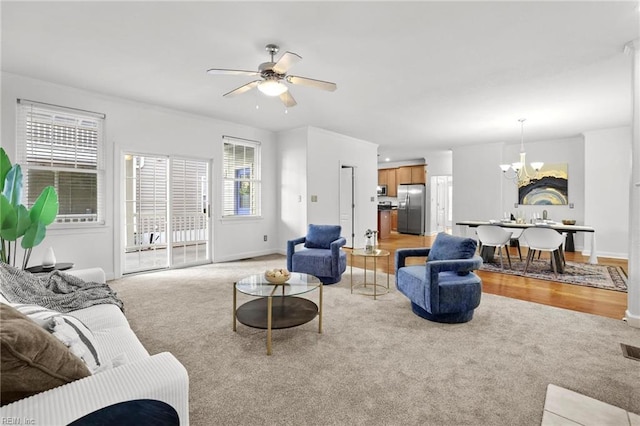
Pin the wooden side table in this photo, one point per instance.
(375, 255)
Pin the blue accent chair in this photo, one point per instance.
(443, 289)
(321, 256)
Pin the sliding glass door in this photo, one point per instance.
(166, 212)
(189, 212)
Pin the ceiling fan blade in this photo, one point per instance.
(221, 71)
(310, 82)
(244, 88)
(288, 100)
(287, 60)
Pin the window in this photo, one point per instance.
(241, 178)
(62, 147)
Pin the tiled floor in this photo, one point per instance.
(563, 407)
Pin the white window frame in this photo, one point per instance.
(230, 182)
(26, 109)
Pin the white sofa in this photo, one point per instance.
(158, 377)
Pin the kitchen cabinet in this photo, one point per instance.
(383, 176)
(411, 174)
(388, 177)
(392, 185)
(394, 220)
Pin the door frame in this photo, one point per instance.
(353, 203)
(120, 241)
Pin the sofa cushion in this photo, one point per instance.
(72, 332)
(449, 247)
(112, 332)
(321, 236)
(31, 359)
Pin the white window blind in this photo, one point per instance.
(63, 148)
(241, 178)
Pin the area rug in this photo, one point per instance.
(599, 276)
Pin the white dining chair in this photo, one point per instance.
(494, 236)
(543, 239)
(515, 241)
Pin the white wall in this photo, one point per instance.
(325, 154)
(477, 185)
(292, 182)
(142, 128)
(328, 151)
(439, 163)
(607, 177)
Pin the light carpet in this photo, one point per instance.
(376, 362)
(599, 276)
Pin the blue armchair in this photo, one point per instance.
(443, 289)
(321, 256)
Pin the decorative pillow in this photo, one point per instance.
(449, 247)
(321, 236)
(32, 360)
(68, 329)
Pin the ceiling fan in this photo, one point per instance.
(273, 74)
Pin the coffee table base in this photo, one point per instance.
(286, 312)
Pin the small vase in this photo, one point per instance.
(368, 247)
(49, 258)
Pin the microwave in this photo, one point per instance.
(382, 190)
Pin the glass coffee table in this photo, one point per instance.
(278, 305)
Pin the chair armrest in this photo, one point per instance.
(90, 275)
(455, 265)
(335, 245)
(160, 377)
(291, 248)
(402, 254)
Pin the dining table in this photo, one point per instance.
(558, 226)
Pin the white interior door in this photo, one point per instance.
(347, 204)
(441, 196)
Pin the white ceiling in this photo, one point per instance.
(412, 76)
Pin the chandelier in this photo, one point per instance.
(519, 169)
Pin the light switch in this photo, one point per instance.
(314, 198)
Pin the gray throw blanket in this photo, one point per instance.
(55, 290)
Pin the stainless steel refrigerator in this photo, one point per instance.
(411, 205)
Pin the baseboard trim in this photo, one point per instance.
(247, 255)
(632, 320)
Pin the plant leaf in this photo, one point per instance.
(34, 235)
(5, 166)
(13, 185)
(8, 218)
(17, 225)
(45, 209)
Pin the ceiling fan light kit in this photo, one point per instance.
(273, 75)
(272, 87)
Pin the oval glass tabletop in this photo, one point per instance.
(257, 285)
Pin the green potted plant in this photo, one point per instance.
(18, 222)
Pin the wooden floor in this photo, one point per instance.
(607, 303)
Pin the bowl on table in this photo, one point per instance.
(568, 221)
(277, 276)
